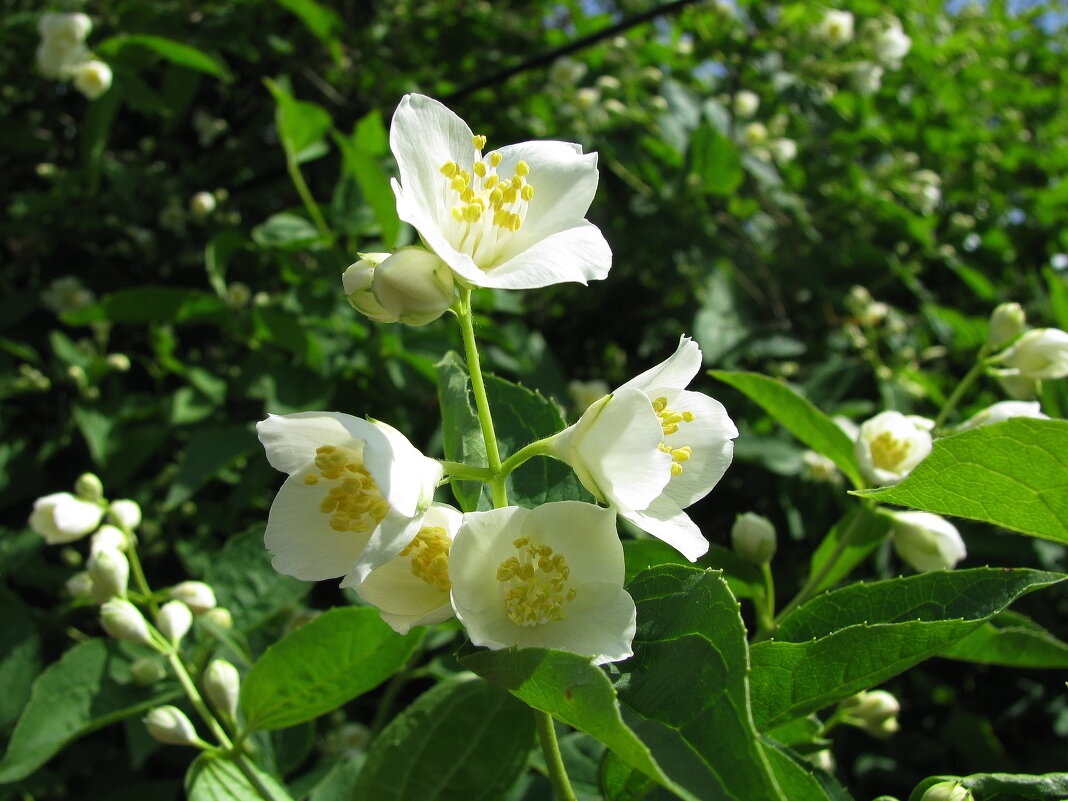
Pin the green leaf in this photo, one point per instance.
(799, 417)
(799, 779)
(865, 530)
(571, 689)
(461, 435)
(151, 304)
(209, 451)
(620, 782)
(20, 657)
(854, 638)
(96, 128)
(373, 183)
(89, 687)
(286, 231)
(175, 52)
(1004, 786)
(213, 778)
(217, 254)
(462, 739)
(685, 691)
(247, 585)
(300, 125)
(742, 577)
(340, 655)
(715, 160)
(1012, 640)
(1013, 474)
(323, 22)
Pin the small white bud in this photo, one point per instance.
(1007, 322)
(61, 518)
(202, 204)
(119, 362)
(947, 791)
(753, 538)
(1004, 410)
(124, 621)
(168, 724)
(174, 621)
(80, 585)
(746, 104)
(1040, 353)
(1018, 387)
(836, 29)
(88, 487)
(92, 78)
(357, 281)
(110, 571)
(926, 541)
(107, 536)
(125, 513)
(222, 683)
(221, 617)
(413, 286)
(147, 670)
(783, 150)
(73, 27)
(197, 595)
(756, 133)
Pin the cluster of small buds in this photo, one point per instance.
(1029, 355)
(411, 286)
(62, 54)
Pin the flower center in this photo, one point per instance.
(537, 584)
(485, 206)
(887, 452)
(355, 502)
(669, 422)
(430, 557)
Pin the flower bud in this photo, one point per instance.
(753, 538)
(414, 285)
(107, 536)
(92, 78)
(80, 585)
(60, 517)
(147, 670)
(756, 133)
(947, 791)
(202, 204)
(1007, 322)
(746, 104)
(119, 362)
(836, 29)
(58, 56)
(926, 541)
(124, 621)
(125, 513)
(357, 281)
(88, 487)
(174, 621)
(874, 711)
(221, 617)
(783, 150)
(1018, 387)
(1040, 353)
(110, 571)
(197, 595)
(1004, 410)
(168, 724)
(72, 27)
(222, 683)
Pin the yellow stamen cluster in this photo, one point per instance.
(887, 452)
(355, 503)
(669, 422)
(480, 190)
(537, 580)
(430, 557)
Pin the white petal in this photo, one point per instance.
(578, 254)
(709, 434)
(412, 209)
(405, 477)
(389, 538)
(76, 517)
(585, 534)
(600, 623)
(290, 440)
(676, 371)
(300, 537)
(665, 521)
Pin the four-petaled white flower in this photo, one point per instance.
(550, 577)
(512, 218)
(412, 589)
(61, 518)
(1040, 353)
(890, 445)
(355, 497)
(652, 448)
(926, 541)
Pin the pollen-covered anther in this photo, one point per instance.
(355, 502)
(887, 451)
(669, 424)
(479, 141)
(430, 557)
(482, 189)
(537, 584)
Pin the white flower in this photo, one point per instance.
(867, 77)
(1040, 353)
(755, 133)
(174, 620)
(817, 467)
(168, 724)
(58, 56)
(197, 595)
(783, 150)
(67, 294)
(566, 71)
(947, 791)
(1002, 411)
(550, 577)
(746, 104)
(412, 589)
(892, 45)
(61, 518)
(92, 78)
(652, 448)
(836, 28)
(411, 286)
(753, 538)
(355, 497)
(926, 541)
(512, 218)
(890, 444)
(586, 393)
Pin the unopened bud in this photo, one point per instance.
(88, 487)
(107, 536)
(947, 791)
(753, 538)
(415, 285)
(80, 585)
(147, 670)
(926, 541)
(174, 620)
(92, 78)
(1007, 322)
(119, 362)
(222, 683)
(874, 711)
(357, 281)
(125, 513)
(168, 724)
(62, 518)
(202, 204)
(221, 617)
(197, 595)
(1040, 353)
(110, 571)
(1018, 387)
(124, 621)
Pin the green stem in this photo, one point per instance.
(478, 389)
(962, 387)
(306, 197)
(553, 760)
(541, 447)
(458, 471)
(766, 607)
(139, 573)
(197, 700)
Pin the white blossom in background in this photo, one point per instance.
(892, 44)
(924, 190)
(1007, 322)
(222, 683)
(61, 517)
(108, 536)
(817, 467)
(836, 28)
(92, 78)
(73, 27)
(926, 541)
(67, 294)
(746, 104)
(1004, 410)
(783, 150)
(566, 72)
(890, 445)
(753, 538)
(947, 791)
(412, 589)
(586, 393)
(197, 595)
(1039, 353)
(652, 448)
(512, 218)
(549, 577)
(57, 57)
(867, 77)
(755, 133)
(1018, 387)
(355, 497)
(80, 585)
(126, 513)
(202, 204)
(875, 711)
